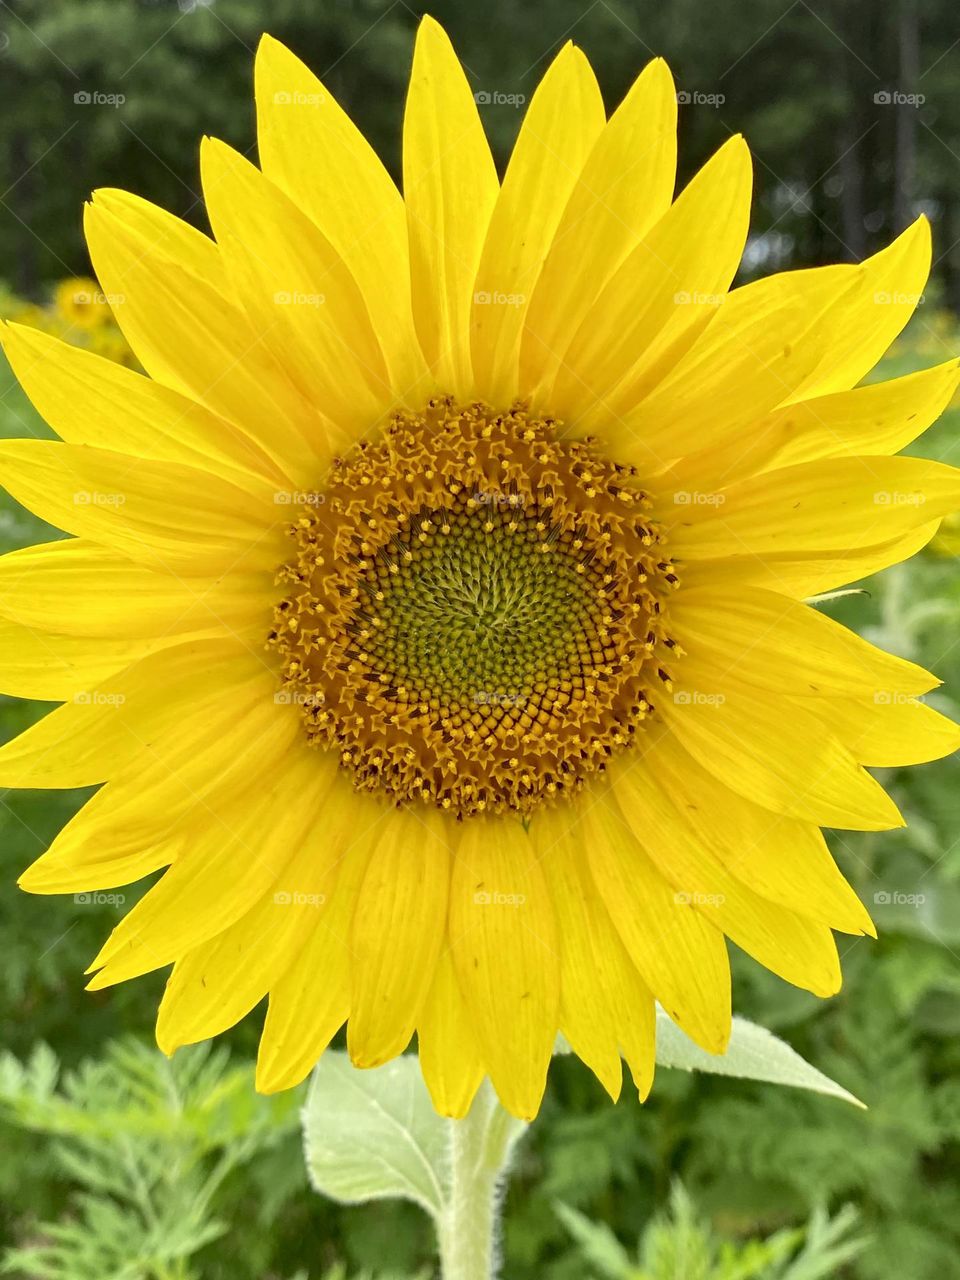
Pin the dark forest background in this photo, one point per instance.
(852, 107)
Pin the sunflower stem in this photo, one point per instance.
(479, 1152)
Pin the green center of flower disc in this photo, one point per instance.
(489, 609)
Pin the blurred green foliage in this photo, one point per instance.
(757, 1161)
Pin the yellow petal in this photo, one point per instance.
(505, 951)
(125, 503)
(625, 187)
(85, 590)
(782, 859)
(603, 1002)
(878, 419)
(779, 644)
(882, 418)
(297, 291)
(762, 343)
(217, 983)
(561, 125)
(311, 1001)
(398, 927)
(87, 740)
(191, 772)
(860, 330)
(230, 864)
(450, 188)
(449, 1054)
(797, 949)
(660, 298)
(816, 506)
(191, 335)
(93, 401)
(315, 154)
(890, 729)
(167, 236)
(52, 668)
(807, 574)
(681, 956)
(783, 758)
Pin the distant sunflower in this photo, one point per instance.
(79, 302)
(524, 505)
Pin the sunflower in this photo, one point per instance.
(434, 618)
(79, 303)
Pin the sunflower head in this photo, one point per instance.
(435, 611)
(475, 614)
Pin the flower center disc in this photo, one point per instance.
(475, 616)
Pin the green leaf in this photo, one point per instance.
(753, 1054)
(373, 1134)
(598, 1245)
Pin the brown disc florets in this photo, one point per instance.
(475, 610)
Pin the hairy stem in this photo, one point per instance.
(479, 1154)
